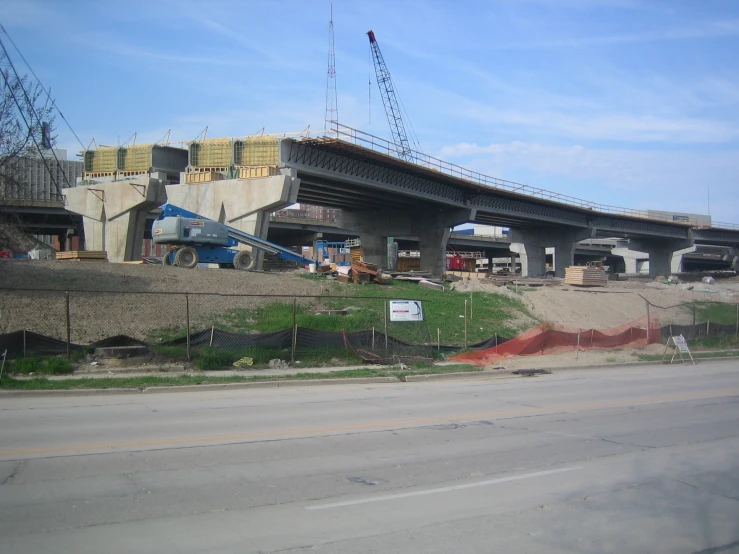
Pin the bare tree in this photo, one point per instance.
(25, 119)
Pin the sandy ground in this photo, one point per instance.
(617, 304)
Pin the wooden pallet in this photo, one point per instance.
(83, 255)
(585, 276)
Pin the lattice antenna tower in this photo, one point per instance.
(332, 108)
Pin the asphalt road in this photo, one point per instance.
(612, 460)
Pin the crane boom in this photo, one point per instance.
(390, 101)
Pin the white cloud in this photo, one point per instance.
(701, 30)
(612, 126)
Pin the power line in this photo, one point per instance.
(48, 93)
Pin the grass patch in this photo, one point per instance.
(715, 312)
(170, 352)
(223, 358)
(731, 341)
(444, 310)
(9, 383)
(49, 365)
(491, 313)
(696, 355)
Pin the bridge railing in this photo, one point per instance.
(378, 144)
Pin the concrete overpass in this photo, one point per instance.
(381, 196)
(379, 192)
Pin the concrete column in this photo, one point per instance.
(531, 245)
(114, 214)
(433, 248)
(676, 264)
(374, 247)
(533, 258)
(631, 258)
(432, 228)
(658, 251)
(241, 203)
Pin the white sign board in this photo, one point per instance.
(682, 346)
(406, 310)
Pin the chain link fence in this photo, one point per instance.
(215, 331)
(696, 320)
(212, 330)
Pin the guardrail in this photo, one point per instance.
(377, 144)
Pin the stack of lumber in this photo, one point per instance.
(585, 276)
(83, 255)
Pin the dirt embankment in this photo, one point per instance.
(617, 304)
(95, 315)
(135, 304)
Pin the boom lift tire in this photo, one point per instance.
(166, 260)
(243, 260)
(186, 257)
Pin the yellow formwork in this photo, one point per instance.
(135, 158)
(256, 151)
(102, 160)
(211, 153)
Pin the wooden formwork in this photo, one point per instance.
(203, 176)
(249, 172)
(83, 255)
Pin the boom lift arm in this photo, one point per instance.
(202, 239)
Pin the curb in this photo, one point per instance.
(210, 387)
(66, 392)
(339, 381)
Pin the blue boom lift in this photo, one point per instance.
(197, 239)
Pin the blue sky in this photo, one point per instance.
(624, 102)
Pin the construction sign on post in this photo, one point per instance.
(406, 310)
(680, 347)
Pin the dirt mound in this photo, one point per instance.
(96, 315)
(616, 304)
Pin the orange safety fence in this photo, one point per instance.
(549, 338)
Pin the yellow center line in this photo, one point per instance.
(368, 426)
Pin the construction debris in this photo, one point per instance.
(430, 284)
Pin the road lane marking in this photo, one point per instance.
(440, 489)
(305, 432)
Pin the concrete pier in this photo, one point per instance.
(114, 214)
(658, 252)
(431, 227)
(531, 245)
(241, 203)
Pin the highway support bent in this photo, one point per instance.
(114, 214)
(244, 204)
(531, 245)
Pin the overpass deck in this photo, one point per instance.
(356, 171)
